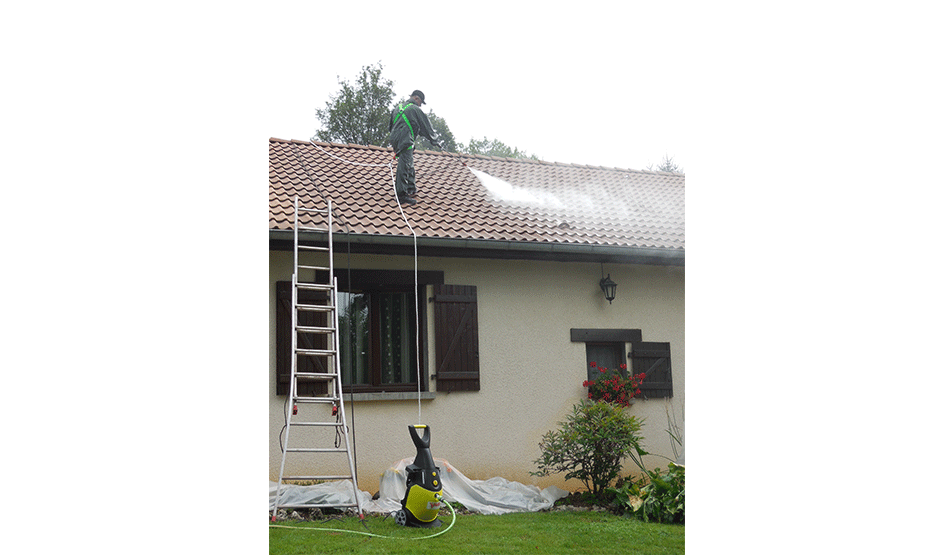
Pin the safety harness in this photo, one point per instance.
(407, 121)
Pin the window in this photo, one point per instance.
(378, 333)
(378, 340)
(648, 357)
(606, 355)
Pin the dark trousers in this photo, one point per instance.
(406, 181)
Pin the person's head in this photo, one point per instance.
(417, 98)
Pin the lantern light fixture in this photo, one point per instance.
(608, 287)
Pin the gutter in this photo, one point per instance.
(484, 248)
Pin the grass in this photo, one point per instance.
(548, 532)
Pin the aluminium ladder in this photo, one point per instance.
(320, 377)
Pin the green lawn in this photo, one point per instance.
(549, 532)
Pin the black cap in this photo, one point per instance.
(423, 99)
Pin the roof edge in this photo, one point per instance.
(489, 248)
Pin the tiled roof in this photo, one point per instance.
(518, 201)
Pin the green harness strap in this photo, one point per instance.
(407, 121)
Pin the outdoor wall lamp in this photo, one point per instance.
(609, 288)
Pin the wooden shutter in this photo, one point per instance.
(306, 340)
(654, 360)
(456, 330)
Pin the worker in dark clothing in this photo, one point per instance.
(406, 122)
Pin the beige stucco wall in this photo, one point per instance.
(530, 371)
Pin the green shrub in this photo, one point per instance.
(662, 499)
(590, 445)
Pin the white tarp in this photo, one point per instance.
(491, 497)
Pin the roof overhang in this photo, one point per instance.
(399, 245)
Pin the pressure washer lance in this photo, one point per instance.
(422, 501)
(453, 155)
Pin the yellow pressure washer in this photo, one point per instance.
(422, 501)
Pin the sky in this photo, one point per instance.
(586, 86)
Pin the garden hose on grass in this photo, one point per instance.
(440, 533)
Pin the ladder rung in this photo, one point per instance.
(294, 423)
(316, 210)
(304, 267)
(314, 329)
(317, 506)
(316, 450)
(315, 352)
(308, 248)
(336, 477)
(315, 375)
(315, 307)
(316, 399)
(315, 286)
(310, 228)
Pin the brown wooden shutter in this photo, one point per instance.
(456, 330)
(306, 340)
(653, 359)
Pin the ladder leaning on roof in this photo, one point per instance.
(321, 387)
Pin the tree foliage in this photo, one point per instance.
(360, 112)
(667, 165)
(494, 147)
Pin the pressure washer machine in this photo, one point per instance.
(422, 501)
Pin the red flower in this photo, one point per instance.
(593, 365)
(623, 366)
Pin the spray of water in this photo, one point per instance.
(505, 191)
(588, 202)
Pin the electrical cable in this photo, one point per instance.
(440, 533)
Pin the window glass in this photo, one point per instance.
(606, 355)
(355, 337)
(398, 347)
(377, 338)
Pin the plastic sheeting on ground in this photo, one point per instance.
(491, 497)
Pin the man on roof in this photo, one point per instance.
(406, 122)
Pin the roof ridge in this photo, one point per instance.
(481, 157)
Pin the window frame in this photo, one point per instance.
(360, 280)
(374, 316)
(639, 351)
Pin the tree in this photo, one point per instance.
(494, 147)
(443, 134)
(667, 165)
(359, 113)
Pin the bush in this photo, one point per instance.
(590, 445)
(663, 499)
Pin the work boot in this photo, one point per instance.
(406, 200)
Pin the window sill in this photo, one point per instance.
(389, 396)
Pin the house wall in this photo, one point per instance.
(530, 371)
